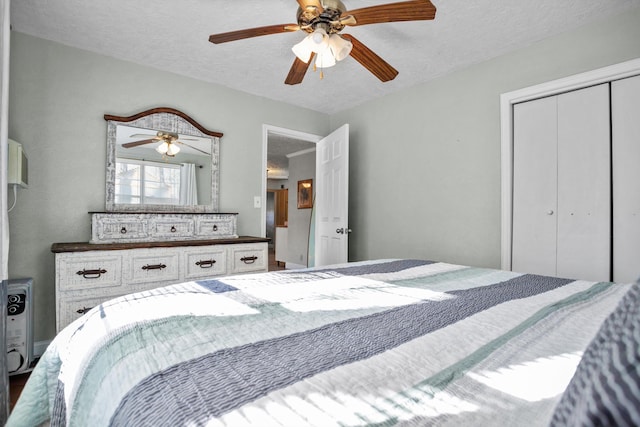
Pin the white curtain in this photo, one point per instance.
(4, 217)
(188, 185)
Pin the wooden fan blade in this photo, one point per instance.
(315, 3)
(143, 135)
(252, 32)
(415, 10)
(369, 60)
(192, 147)
(298, 70)
(136, 143)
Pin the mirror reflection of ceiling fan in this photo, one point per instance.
(323, 20)
(169, 145)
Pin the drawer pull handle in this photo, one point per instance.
(215, 227)
(83, 310)
(206, 263)
(249, 259)
(154, 267)
(91, 274)
(123, 230)
(173, 229)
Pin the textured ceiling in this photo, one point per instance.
(173, 35)
(278, 148)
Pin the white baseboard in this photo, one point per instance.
(292, 266)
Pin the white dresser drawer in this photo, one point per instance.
(95, 270)
(248, 258)
(171, 228)
(223, 226)
(205, 262)
(72, 308)
(153, 266)
(122, 230)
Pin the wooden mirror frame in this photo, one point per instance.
(169, 120)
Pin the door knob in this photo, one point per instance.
(549, 212)
(340, 230)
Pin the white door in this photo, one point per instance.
(584, 184)
(625, 108)
(535, 182)
(332, 198)
(561, 185)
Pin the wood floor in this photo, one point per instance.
(16, 384)
(273, 265)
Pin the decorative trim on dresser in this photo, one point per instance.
(115, 227)
(87, 274)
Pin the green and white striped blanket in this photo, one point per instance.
(378, 343)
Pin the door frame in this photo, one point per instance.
(508, 99)
(276, 130)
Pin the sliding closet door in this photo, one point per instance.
(561, 185)
(625, 113)
(535, 183)
(584, 184)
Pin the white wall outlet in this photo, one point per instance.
(257, 202)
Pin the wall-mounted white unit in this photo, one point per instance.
(18, 167)
(19, 325)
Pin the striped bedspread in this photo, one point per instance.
(389, 342)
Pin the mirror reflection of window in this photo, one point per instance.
(143, 182)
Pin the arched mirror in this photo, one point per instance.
(161, 160)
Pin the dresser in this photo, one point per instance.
(88, 274)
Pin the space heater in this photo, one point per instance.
(19, 325)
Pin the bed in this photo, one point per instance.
(377, 343)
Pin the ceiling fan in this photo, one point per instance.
(169, 145)
(324, 20)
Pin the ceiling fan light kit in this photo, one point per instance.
(340, 48)
(323, 20)
(168, 149)
(303, 50)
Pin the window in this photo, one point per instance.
(149, 183)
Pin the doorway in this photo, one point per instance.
(284, 150)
